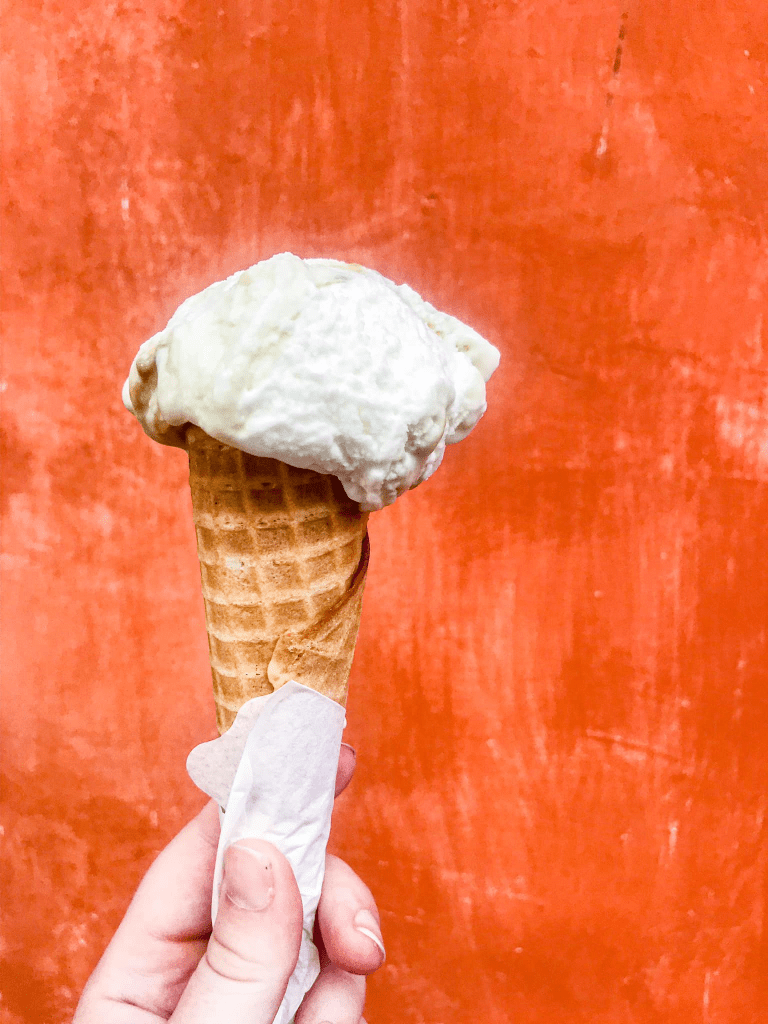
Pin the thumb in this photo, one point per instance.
(255, 942)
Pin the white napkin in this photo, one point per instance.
(284, 751)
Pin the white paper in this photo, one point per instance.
(282, 791)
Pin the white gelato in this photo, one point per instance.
(320, 364)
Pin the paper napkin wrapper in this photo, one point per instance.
(274, 772)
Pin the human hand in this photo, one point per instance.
(164, 964)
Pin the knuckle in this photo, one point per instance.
(237, 965)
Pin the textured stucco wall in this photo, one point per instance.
(560, 696)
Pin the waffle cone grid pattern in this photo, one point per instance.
(278, 547)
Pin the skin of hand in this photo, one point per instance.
(165, 964)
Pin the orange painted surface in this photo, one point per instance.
(560, 697)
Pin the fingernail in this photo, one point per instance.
(366, 923)
(248, 878)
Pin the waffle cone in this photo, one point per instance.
(283, 557)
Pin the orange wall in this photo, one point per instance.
(560, 696)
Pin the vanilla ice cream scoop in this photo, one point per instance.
(320, 364)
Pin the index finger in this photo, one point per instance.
(164, 932)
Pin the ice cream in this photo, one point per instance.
(306, 393)
(320, 365)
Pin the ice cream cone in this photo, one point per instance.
(283, 557)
